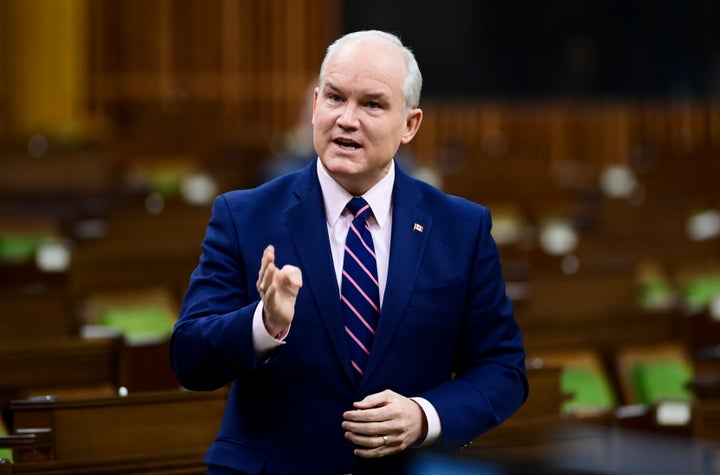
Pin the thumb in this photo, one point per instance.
(373, 400)
(292, 275)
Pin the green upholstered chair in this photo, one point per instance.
(584, 382)
(19, 247)
(139, 323)
(5, 453)
(661, 380)
(589, 390)
(700, 290)
(140, 316)
(650, 374)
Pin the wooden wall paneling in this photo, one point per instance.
(651, 125)
(275, 88)
(559, 151)
(165, 33)
(229, 33)
(252, 67)
(294, 82)
(713, 112)
(4, 92)
(687, 133)
(535, 141)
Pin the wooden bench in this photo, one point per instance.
(40, 354)
(597, 310)
(56, 366)
(152, 432)
(706, 420)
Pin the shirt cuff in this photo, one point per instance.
(434, 429)
(263, 342)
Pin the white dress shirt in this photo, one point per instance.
(335, 198)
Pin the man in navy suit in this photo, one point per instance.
(263, 310)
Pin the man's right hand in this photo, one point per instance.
(278, 289)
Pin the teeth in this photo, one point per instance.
(348, 145)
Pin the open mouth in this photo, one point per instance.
(347, 144)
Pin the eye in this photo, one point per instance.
(335, 98)
(373, 105)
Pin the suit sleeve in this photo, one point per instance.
(211, 344)
(490, 382)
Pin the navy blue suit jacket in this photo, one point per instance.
(446, 333)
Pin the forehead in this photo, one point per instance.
(371, 63)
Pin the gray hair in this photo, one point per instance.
(413, 79)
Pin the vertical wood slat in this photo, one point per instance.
(44, 65)
(4, 92)
(253, 56)
(601, 133)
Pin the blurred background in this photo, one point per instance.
(590, 129)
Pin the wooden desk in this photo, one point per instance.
(49, 366)
(154, 432)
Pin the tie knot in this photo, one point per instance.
(359, 208)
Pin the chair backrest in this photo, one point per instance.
(650, 374)
(584, 381)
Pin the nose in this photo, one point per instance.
(348, 118)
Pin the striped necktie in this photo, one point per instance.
(360, 293)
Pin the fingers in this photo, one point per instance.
(267, 269)
(289, 277)
(278, 289)
(375, 446)
(382, 424)
(374, 400)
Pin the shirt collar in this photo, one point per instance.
(335, 197)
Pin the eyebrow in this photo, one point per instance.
(373, 96)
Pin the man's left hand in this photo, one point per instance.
(384, 423)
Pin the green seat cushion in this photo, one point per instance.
(19, 247)
(662, 380)
(166, 181)
(656, 294)
(139, 322)
(702, 290)
(5, 453)
(589, 389)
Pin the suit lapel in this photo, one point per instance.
(313, 250)
(410, 230)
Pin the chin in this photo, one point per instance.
(343, 165)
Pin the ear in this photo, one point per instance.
(412, 124)
(314, 104)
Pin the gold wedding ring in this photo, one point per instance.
(386, 441)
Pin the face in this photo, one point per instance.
(359, 118)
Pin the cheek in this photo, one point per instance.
(319, 142)
(323, 123)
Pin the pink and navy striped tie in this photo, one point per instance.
(360, 293)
